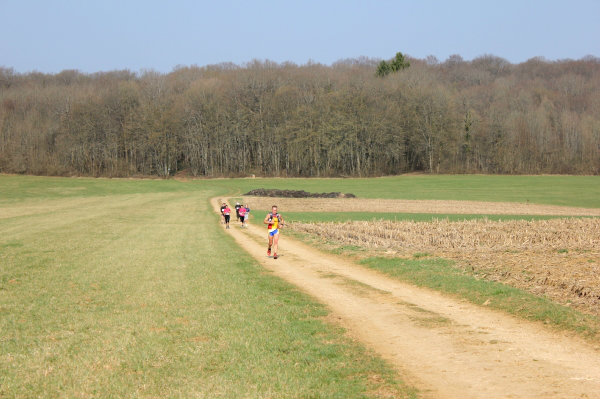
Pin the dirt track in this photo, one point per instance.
(445, 347)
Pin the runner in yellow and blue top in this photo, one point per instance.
(274, 222)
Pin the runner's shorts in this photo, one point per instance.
(273, 232)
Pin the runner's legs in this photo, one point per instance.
(275, 240)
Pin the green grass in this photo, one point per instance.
(124, 287)
(440, 275)
(580, 191)
(21, 188)
(320, 217)
(131, 289)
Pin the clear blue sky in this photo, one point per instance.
(100, 35)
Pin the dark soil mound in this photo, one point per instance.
(264, 192)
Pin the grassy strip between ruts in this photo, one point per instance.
(441, 275)
(144, 296)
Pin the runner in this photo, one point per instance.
(227, 215)
(246, 216)
(242, 213)
(223, 206)
(274, 222)
(237, 210)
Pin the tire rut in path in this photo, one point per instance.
(444, 346)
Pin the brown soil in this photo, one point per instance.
(416, 206)
(446, 347)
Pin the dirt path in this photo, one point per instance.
(445, 347)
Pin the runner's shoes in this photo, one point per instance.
(274, 256)
(269, 252)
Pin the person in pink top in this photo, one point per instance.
(242, 212)
(227, 215)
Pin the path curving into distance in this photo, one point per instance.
(445, 347)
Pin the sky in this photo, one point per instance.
(102, 35)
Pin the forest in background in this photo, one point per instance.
(269, 119)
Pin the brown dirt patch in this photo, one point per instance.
(415, 206)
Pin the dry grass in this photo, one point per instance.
(559, 258)
(414, 206)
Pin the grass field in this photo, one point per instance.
(124, 287)
(130, 289)
(577, 191)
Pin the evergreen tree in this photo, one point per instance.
(397, 64)
(383, 69)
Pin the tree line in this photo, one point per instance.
(347, 119)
